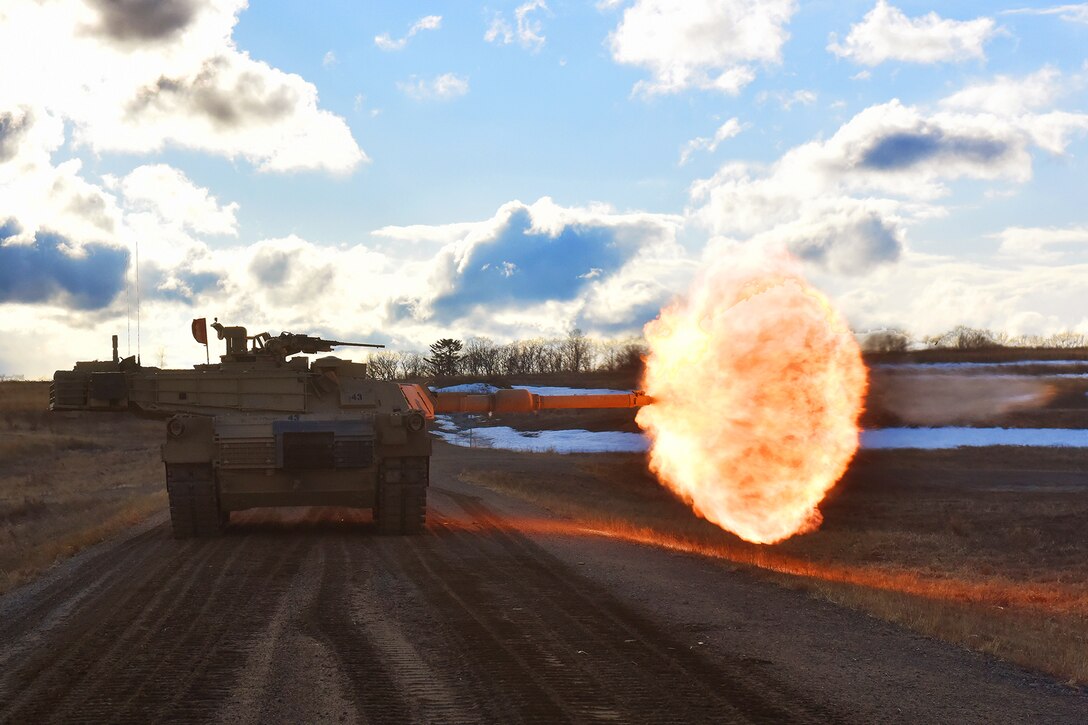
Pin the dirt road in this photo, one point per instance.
(307, 616)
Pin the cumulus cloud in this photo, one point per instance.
(931, 294)
(41, 195)
(135, 76)
(168, 193)
(1075, 13)
(1042, 243)
(1006, 95)
(531, 269)
(527, 31)
(427, 22)
(50, 268)
(545, 265)
(13, 126)
(845, 203)
(440, 88)
(886, 33)
(140, 21)
(702, 44)
(727, 130)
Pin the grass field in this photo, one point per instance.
(985, 548)
(980, 548)
(68, 480)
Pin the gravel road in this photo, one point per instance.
(307, 616)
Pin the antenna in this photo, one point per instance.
(128, 316)
(138, 359)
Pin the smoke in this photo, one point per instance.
(759, 384)
(949, 398)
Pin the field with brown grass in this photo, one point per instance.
(68, 480)
(983, 548)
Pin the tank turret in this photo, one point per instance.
(264, 428)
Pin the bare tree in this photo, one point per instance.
(885, 341)
(1067, 339)
(413, 365)
(384, 365)
(481, 357)
(969, 338)
(576, 352)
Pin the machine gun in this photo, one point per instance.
(280, 347)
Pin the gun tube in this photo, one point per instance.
(522, 401)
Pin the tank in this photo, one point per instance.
(268, 426)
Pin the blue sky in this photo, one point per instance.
(512, 169)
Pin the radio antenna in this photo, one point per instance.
(128, 315)
(138, 359)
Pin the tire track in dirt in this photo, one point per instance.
(559, 648)
(754, 692)
(328, 620)
(21, 627)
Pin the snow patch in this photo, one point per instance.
(954, 437)
(546, 390)
(472, 388)
(977, 365)
(557, 441)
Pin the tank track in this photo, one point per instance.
(400, 505)
(194, 501)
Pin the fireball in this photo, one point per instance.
(759, 384)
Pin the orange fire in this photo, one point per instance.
(759, 384)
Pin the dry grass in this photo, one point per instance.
(983, 549)
(68, 480)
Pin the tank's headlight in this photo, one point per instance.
(175, 427)
(416, 422)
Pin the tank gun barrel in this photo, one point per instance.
(523, 401)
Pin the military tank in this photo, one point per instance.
(268, 426)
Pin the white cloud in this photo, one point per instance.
(544, 267)
(41, 196)
(886, 33)
(1039, 243)
(159, 74)
(1076, 13)
(787, 99)
(387, 43)
(845, 203)
(441, 88)
(170, 194)
(703, 44)
(527, 30)
(329, 60)
(612, 272)
(927, 294)
(1004, 95)
(727, 130)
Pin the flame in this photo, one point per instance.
(759, 384)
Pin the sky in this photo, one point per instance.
(400, 172)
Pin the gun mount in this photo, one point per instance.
(262, 428)
(276, 348)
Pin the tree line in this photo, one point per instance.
(578, 353)
(963, 337)
(575, 353)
